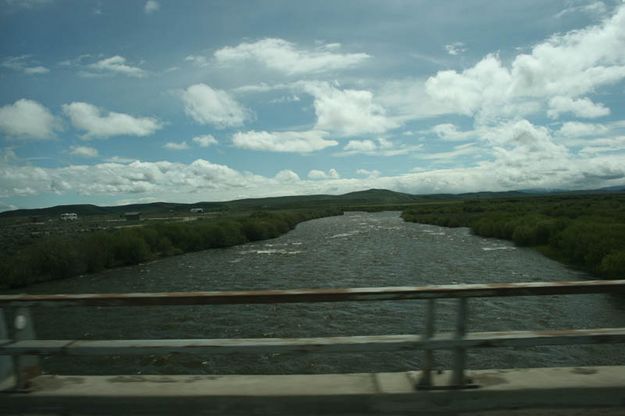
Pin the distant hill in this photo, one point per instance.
(369, 197)
(82, 209)
(372, 196)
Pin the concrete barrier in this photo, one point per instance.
(331, 394)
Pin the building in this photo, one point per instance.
(132, 216)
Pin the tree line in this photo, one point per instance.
(587, 231)
(56, 257)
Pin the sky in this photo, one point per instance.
(111, 102)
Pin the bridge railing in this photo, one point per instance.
(19, 348)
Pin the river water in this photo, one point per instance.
(354, 250)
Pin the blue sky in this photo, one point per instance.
(114, 102)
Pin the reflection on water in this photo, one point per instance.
(355, 250)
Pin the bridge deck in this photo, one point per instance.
(325, 344)
(24, 391)
(364, 393)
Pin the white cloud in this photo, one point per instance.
(176, 145)
(24, 64)
(87, 117)
(205, 140)
(333, 46)
(283, 141)
(569, 65)
(582, 107)
(151, 6)
(149, 179)
(524, 156)
(577, 129)
(377, 147)
(114, 65)
(361, 146)
(316, 174)
(596, 8)
(78, 61)
(119, 159)
(27, 119)
(449, 132)
(526, 153)
(287, 176)
(609, 146)
(347, 112)
(215, 107)
(283, 56)
(285, 99)
(408, 99)
(369, 173)
(28, 4)
(83, 151)
(455, 48)
(264, 87)
(36, 70)
(480, 87)
(197, 60)
(468, 149)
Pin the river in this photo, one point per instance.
(354, 250)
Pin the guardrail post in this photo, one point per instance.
(428, 354)
(7, 371)
(25, 367)
(460, 354)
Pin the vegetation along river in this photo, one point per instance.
(354, 250)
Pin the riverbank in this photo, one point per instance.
(352, 250)
(58, 256)
(586, 231)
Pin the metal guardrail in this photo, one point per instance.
(20, 348)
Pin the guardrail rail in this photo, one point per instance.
(19, 348)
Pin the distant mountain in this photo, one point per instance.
(542, 191)
(352, 199)
(619, 188)
(371, 196)
(82, 209)
(379, 195)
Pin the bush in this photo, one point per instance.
(129, 248)
(613, 265)
(588, 231)
(58, 257)
(588, 243)
(98, 253)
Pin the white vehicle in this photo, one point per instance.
(69, 216)
(197, 210)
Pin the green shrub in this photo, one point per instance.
(129, 248)
(58, 257)
(588, 231)
(613, 265)
(98, 251)
(588, 243)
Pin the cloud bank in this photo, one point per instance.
(284, 57)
